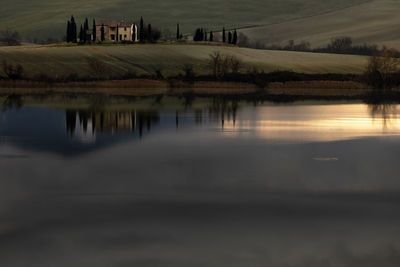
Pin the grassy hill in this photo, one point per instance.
(47, 18)
(377, 22)
(169, 58)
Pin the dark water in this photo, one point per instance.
(209, 183)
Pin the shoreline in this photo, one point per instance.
(148, 87)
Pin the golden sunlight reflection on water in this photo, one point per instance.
(301, 123)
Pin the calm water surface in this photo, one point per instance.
(207, 183)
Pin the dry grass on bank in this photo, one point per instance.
(143, 87)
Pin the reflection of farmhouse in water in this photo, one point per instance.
(83, 123)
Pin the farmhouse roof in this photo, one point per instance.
(114, 23)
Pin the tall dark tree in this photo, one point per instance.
(102, 37)
(73, 30)
(141, 30)
(149, 33)
(211, 36)
(199, 35)
(235, 38)
(85, 31)
(117, 37)
(178, 35)
(205, 36)
(229, 37)
(94, 31)
(68, 36)
(223, 35)
(81, 35)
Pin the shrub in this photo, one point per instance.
(189, 73)
(158, 73)
(13, 72)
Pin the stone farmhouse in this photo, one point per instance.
(116, 31)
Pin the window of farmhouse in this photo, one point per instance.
(125, 36)
(120, 36)
(112, 37)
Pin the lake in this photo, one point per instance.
(100, 181)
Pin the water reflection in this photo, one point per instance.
(89, 122)
(232, 117)
(12, 101)
(386, 114)
(208, 184)
(226, 110)
(316, 123)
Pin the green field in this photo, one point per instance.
(169, 58)
(47, 18)
(376, 22)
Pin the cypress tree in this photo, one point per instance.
(211, 36)
(178, 35)
(85, 30)
(68, 37)
(117, 33)
(199, 35)
(102, 33)
(73, 30)
(223, 35)
(235, 38)
(94, 31)
(205, 36)
(141, 30)
(229, 37)
(81, 35)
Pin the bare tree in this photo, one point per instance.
(235, 64)
(243, 40)
(10, 37)
(189, 72)
(217, 37)
(167, 35)
(214, 63)
(221, 65)
(340, 44)
(381, 68)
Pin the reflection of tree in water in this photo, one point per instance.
(387, 113)
(223, 109)
(12, 101)
(110, 121)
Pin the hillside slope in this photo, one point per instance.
(373, 22)
(145, 59)
(47, 18)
